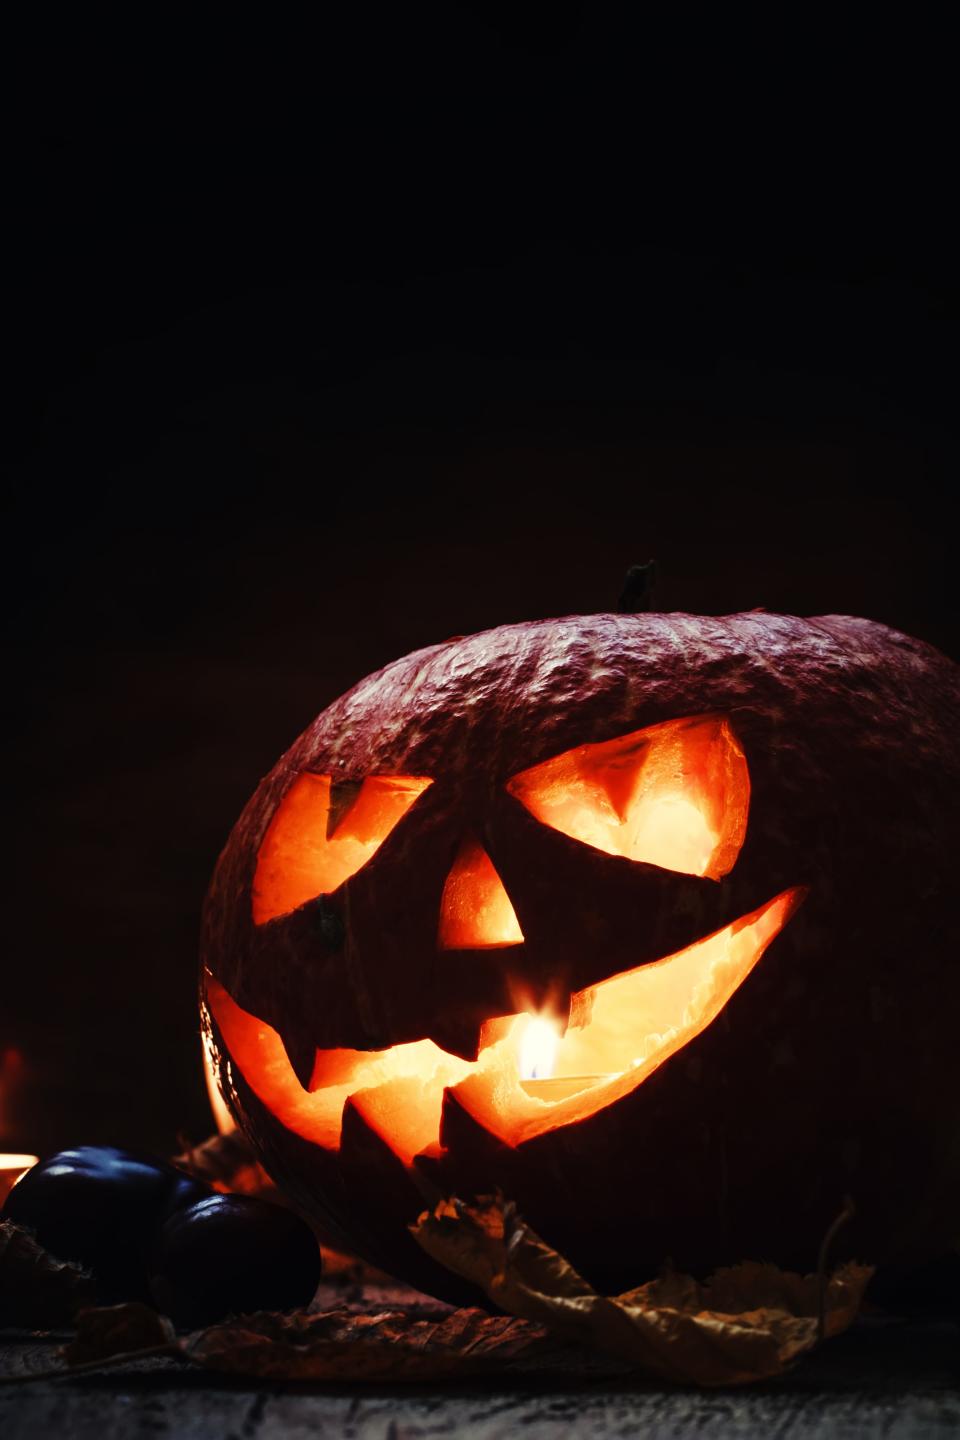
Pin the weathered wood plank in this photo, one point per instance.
(887, 1379)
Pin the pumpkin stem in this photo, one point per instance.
(637, 592)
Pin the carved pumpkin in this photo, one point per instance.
(647, 920)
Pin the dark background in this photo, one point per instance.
(319, 360)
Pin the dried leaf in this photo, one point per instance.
(342, 1273)
(110, 1330)
(228, 1164)
(38, 1292)
(747, 1323)
(341, 1346)
(345, 1346)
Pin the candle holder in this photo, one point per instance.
(561, 1087)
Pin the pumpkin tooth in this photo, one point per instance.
(616, 1045)
(456, 1035)
(387, 1192)
(472, 1155)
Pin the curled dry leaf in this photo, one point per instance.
(344, 1346)
(227, 1163)
(38, 1292)
(747, 1323)
(341, 1347)
(111, 1330)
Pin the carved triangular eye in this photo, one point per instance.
(476, 912)
(674, 795)
(323, 833)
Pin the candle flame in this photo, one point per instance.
(538, 1048)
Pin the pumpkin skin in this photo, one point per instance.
(831, 1069)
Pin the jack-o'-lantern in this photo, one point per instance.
(646, 920)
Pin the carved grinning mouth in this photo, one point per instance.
(620, 1032)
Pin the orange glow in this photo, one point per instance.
(304, 855)
(221, 1114)
(12, 1169)
(415, 1074)
(674, 795)
(475, 911)
(632, 1023)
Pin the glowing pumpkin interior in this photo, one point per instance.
(322, 834)
(475, 910)
(674, 795)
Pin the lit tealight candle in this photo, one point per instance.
(11, 1168)
(539, 1046)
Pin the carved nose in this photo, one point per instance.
(475, 909)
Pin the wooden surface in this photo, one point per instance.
(885, 1378)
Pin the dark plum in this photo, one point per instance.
(231, 1254)
(103, 1208)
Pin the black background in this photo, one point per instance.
(333, 346)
